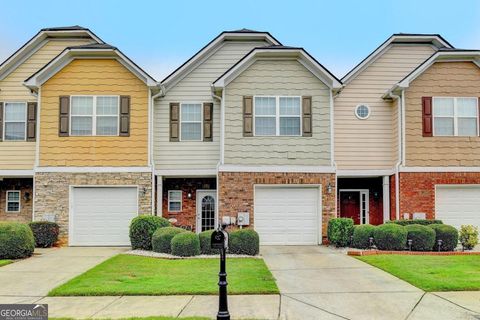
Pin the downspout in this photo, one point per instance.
(400, 100)
(332, 147)
(161, 93)
(220, 162)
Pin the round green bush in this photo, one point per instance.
(423, 222)
(423, 237)
(205, 243)
(390, 236)
(446, 233)
(162, 238)
(185, 244)
(16, 240)
(361, 236)
(45, 233)
(244, 241)
(142, 229)
(339, 231)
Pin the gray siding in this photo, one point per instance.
(195, 87)
(277, 77)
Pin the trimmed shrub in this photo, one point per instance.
(16, 240)
(361, 236)
(205, 243)
(390, 236)
(468, 236)
(142, 229)
(339, 231)
(423, 237)
(446, 233)
(244, 241)
(162, 238)
(45, 233)
(185, 244)
(423, 222)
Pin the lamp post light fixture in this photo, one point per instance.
(409, 242)
(370, 242)
(439, 244)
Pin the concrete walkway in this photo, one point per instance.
(322, 283)
(315, 283)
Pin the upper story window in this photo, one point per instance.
(190, 121)
(277, 116)
(455, 116)
(94, 116)
(362, 111)
(15, 119)
(13, 201)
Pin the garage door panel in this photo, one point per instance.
(287, 215)
(102, 215)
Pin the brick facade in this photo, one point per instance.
(417, 189)
(187, 217)
(25, 186)
(52, 192)
(236, 191)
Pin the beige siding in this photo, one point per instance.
(277, 77)
(21, 155)
(449, 79)
(195, 87)
(372, 143)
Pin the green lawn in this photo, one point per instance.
(5, 262)
(432, 273)
(135, 275)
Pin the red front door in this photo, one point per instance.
(350, 205)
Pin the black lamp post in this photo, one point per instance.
(219, 241)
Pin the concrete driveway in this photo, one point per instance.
(28, 280)
(318, 282)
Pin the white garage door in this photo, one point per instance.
(457, 205)
(101, 216)
(287, 215)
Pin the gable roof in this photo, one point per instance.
(300, 54)
(98, 50)
(211, 47)
(38, 40)
(442, 55)
(406, 38)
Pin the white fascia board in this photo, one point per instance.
(16, 173)
(439, 169)
(365, 173)
(186, 172)
(284, 168)
(93, 169)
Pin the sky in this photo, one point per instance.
(161, 35)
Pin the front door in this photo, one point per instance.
(206, 210)
(350, 205)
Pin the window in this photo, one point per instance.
(13, 201)
(15, 119)
(277, 116)
(191, 122)
(174, 200)
(455, 116)
(94, 116)
(362, 111)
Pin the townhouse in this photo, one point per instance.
(247, 131)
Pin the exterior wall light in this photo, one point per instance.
(189, 195)
(329, 188)
(26, 196)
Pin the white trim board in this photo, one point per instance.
(17, 173)
(93, 169)
(286, 168)
(186, 172)
(365, 173)
(439, 169)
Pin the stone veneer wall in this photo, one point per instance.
(24, 185)
(236, 191)
(52, 192)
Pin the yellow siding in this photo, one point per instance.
(20, 155)
(94, 77)
(373, 143)
(448, 79)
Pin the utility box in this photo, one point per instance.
(243, 218)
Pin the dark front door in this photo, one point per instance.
(350, 205)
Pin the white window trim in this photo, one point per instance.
(19, 200)
(5, 121)
(180, 121)
(369, 111)
(455, 117)
(94, 117)
(169, 201)
(277, 117)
